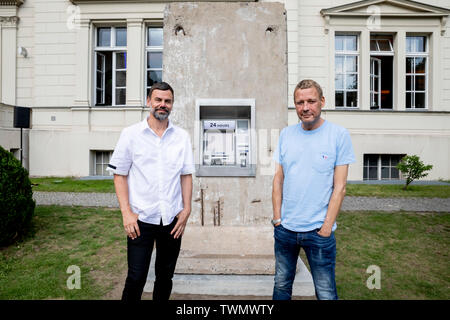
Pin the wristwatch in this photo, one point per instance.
(274, 222)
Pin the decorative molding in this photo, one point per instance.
(420, 9)
(443, 23)
(77, 2)
(9, 21)
(16, 3)
(412, 9)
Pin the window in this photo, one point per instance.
(346, 71)
(110, 66)
(154, 50)
(101, 160)
(416, 72)
(381, 166)
(381, 71)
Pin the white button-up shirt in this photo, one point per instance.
(153, 166)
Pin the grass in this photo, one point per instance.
(363, 190)
(411, 249)
(395, 190)
(89, 238)
(72, 185)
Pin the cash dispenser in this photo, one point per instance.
(226, 137)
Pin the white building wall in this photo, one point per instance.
(48, 80)
(386, 137)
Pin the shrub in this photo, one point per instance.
(413, 169)
(16, 198)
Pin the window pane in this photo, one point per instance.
(121, 79)
(155, 37)
(352, 99)
(376, 85)
(99, 97)
(384, 173)
(373, 160)
(375, 104)
(350, 64)
(153, 77)
(120, 96)
(154, 60)
(420, 100)
(373, 45)
(409, 44)
(100, 60)
(395, 159)
(384, 45)
(339, 64)
(419, 65)
(351, 81)
(121, 37)
(420, 44)
(408, 100)
(339, 82)
(373, 173)
(395, 173)
(365, 173)
(385, 160)
(419, 83)
(350, 43)
(104, 37)
(409, 65)
(376, 67)
(98, 169)
(339, 99)
(409, 83)
(99, 80)
(339, 43)
(98, 157)
(121, 60)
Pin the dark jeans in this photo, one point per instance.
(139, 254)
(321, 254)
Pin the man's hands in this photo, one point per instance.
(130, 224)
(178, 230)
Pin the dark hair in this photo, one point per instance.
(308, 83)
(160, 86)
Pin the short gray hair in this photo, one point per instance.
(308, 83)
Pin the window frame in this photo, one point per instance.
(416, 54)
(380, 166)
(149, 49)
(103, 163)
(115, 50)
(344, 53)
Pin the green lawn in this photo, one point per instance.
(411, 249)
(394, 190)
(366, 190)
(72, 185)
(92, 239)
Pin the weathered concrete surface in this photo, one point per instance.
(208, 264)
(229, 50)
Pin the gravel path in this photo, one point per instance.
(350, 203)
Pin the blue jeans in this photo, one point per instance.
(321, 254)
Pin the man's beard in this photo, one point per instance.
(160, 116)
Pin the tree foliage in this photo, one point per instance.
(413, 169)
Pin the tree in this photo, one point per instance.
(413, 169)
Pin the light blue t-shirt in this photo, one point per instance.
(308, 159)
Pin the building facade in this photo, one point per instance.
(85, 67)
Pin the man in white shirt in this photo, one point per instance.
(153, 165)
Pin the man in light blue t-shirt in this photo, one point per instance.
(312, 161)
